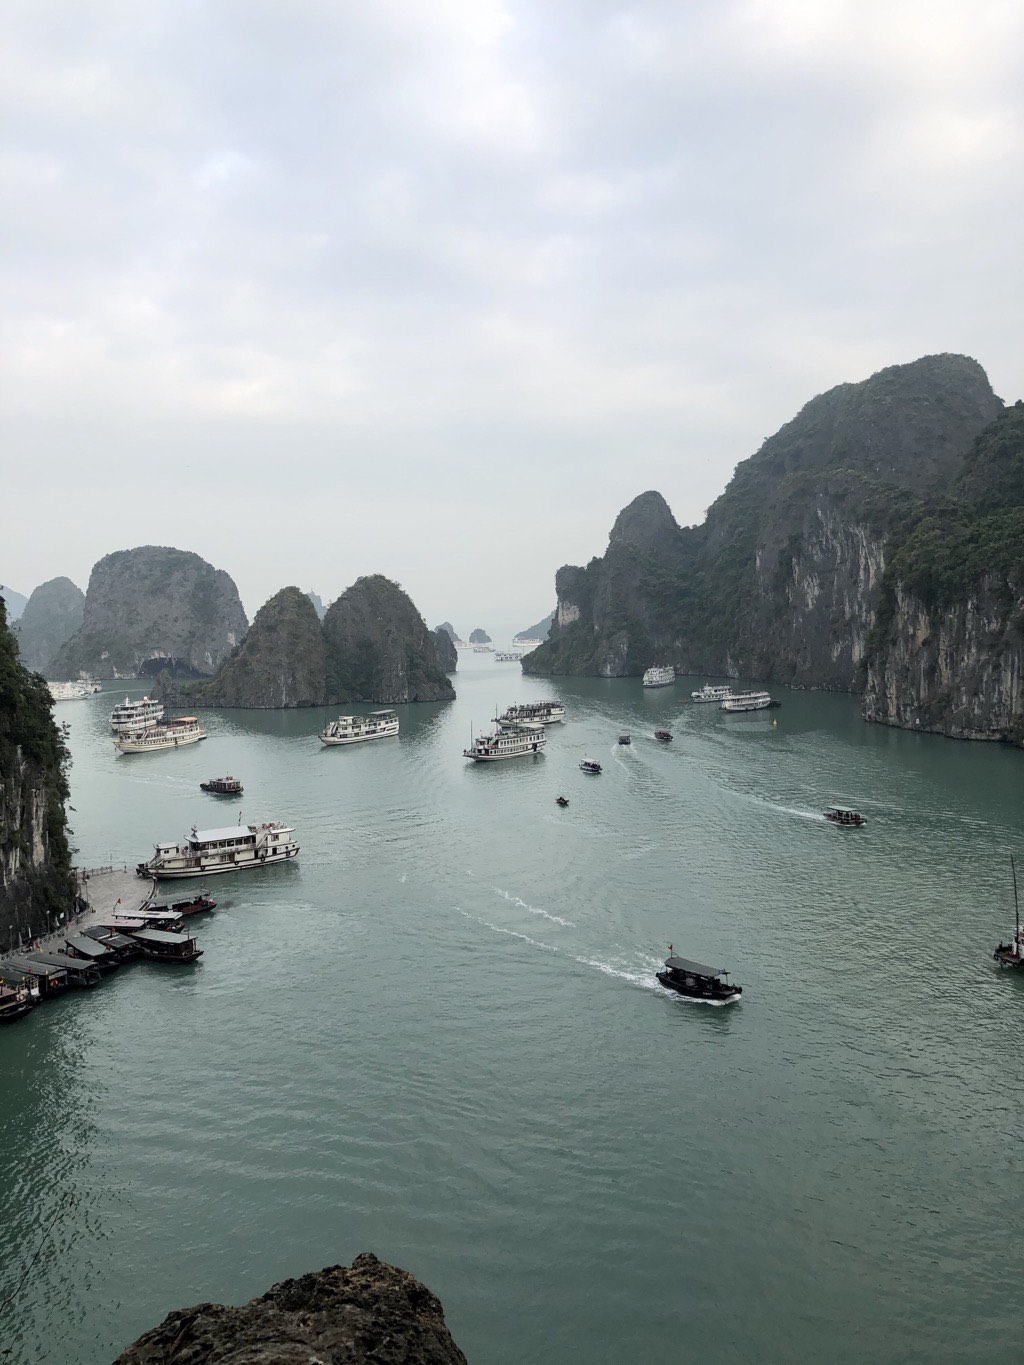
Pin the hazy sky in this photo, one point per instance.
(318, 288)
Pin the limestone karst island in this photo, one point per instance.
(647, 981)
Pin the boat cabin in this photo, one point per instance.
(15, 1001)
(79, 972)
(52, 980)
(87, 948)
(697, 981)
(164, 947)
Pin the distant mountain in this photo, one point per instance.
(53, 614)
(315, 598)
(16, 602)
(479, 637)
(447, 654)
(449, 630)
(281, 662)
(539, 631)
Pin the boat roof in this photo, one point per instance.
(161, 916)
(387, 711)
(100, 933)
(683, 964)
(70, 964)
(34, 968)
(15, 976)
(89, 946)
(205, 836)
(159, 936)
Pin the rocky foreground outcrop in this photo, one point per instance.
(447, 654)
(784, 578)
(36, 882)
(380, 649)
(150, 609)
(342, 1315)
(52, 615)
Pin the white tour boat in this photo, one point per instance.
(68, 691)
(709, 692)
(747, 701)
(207, 852)
(136, 715)
(507, 741)
(354, 729)
(659, 676)
(173, 735)
(533, 713)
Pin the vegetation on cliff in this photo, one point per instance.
(786, 539)
(52, 615)
(281, 662)
(447, 654)
(379, 647)
(36, 882)
(538, 631)
(154, 608)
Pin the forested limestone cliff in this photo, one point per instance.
(36, 882)
(783, 579)
(52, 615)
(154, 608)
(875, 543)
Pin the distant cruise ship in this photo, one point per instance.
(659, 677)
(533, 713)
(68, 691)
(711, 693)
(135, 715)
(748, 701)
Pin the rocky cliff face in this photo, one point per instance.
(784, 578)
(539, 631)
(479, 637)
(52, 615)
(957, 670)
(16, 602)
(281, 662)
(154, 608)
(367, 1312)
(379, 647)
(448, 629)
(447, 654)
(317, 600)
(36, 883)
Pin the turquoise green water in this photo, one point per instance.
(438, 1037)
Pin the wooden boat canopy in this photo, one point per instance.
(683, 964)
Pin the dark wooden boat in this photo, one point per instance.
(663, 735)
(837, 815)
(15, 1003)
(589, 766)
(222, 786)
(200, 904)
(695, 981)
(163, 947)
(561, 801)
(625, 739)
(1012, 954)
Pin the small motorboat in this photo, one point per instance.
(663, 735)
(222, 786)
(589, 766)
(625, 739)
(695, 981)
(838, 815)
(561, 800)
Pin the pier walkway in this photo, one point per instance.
(107, 890)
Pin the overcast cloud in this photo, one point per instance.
(323, 288)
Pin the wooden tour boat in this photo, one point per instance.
(589, 766)
(695, 981)
(839, 815)
(222, 786)
(663, 735)
(1012, 954)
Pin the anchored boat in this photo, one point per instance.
(173, 735)
(355, 729)
(208, 852)
(748, 701)
(712, 692)
(1012, 954)
(533, 713)
(659, 676)
(136, 715)
(696, 981)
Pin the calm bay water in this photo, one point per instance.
(439, 1038)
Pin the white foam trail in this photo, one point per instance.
(512, 933)
(634, 978)
(533, 909)
(803, 814)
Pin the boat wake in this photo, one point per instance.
(533, 909)
(645, 980)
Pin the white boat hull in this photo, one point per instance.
(499, 758)
(667, 683)
(736, 710)
(127, 745)
(210, 867)
(357, 739)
